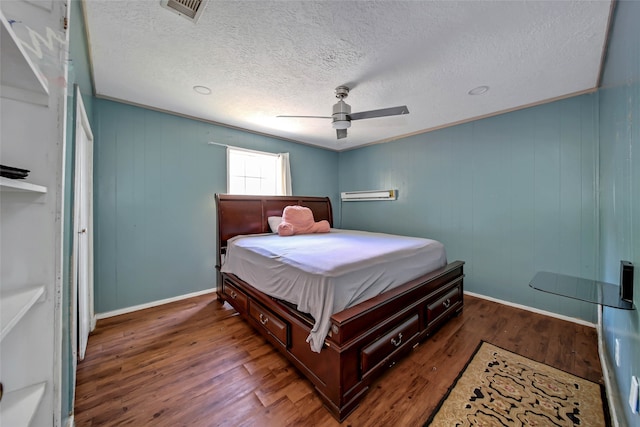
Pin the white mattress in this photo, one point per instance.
(325, 273)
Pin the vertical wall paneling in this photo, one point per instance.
(156, 176)
(105, 267)
(505, 194)
(620, 195)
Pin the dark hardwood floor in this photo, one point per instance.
(195, 363)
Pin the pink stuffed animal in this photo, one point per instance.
(299, 220)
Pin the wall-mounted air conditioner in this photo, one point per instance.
(360, 196)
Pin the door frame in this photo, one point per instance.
(83, 177)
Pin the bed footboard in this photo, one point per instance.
(363, 341)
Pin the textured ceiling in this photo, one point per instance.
(267, 58)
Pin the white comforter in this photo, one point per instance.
(325, 273)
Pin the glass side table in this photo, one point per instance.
(592, 291)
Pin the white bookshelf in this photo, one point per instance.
(32, 121)
(18, 407)
(7, 184)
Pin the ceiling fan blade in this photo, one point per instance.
(341, 133)
(393, 111)
(305, 117)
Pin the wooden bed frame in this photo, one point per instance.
(364, 340)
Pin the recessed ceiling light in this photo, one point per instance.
(479, 90)
(202, 90)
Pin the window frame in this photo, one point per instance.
(282, 173)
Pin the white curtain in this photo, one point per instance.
(284, 175)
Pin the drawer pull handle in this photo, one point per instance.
(398, 342)
(263, 319)
(233, 294)
(447, 303)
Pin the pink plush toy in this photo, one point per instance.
(299, 220)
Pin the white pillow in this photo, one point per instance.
(274, 222)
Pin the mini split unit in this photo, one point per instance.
(358, 196)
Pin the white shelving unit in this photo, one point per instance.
(32, 119)
(21, 78)
(17, 408)
(7, 184)
(14, 305)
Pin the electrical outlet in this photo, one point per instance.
(617, 352)
(633, 395)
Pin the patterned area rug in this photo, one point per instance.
(500, 388)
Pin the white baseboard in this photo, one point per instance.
(534, 310)
(152, 304)
(208, 291)
(609, 383)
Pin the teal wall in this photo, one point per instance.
(620, 191)
(155, 178)
(510, 195)
(78, 74)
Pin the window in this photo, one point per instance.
(257, 173)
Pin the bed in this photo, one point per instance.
(341, 349)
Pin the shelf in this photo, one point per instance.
(7, 184)
(587, 290)
(14, 305)
(18, 407)
(21, 78)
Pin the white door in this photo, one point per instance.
(82, 304)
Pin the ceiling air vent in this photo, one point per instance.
(190, 9)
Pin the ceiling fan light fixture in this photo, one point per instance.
(342, 117)
(341, 124)
(341, 111)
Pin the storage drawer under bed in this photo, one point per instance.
(444, 305)
(235, 296)
(376, 352)
(272, 323)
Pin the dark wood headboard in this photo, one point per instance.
(248, 214)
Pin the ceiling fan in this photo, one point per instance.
(342, 116)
